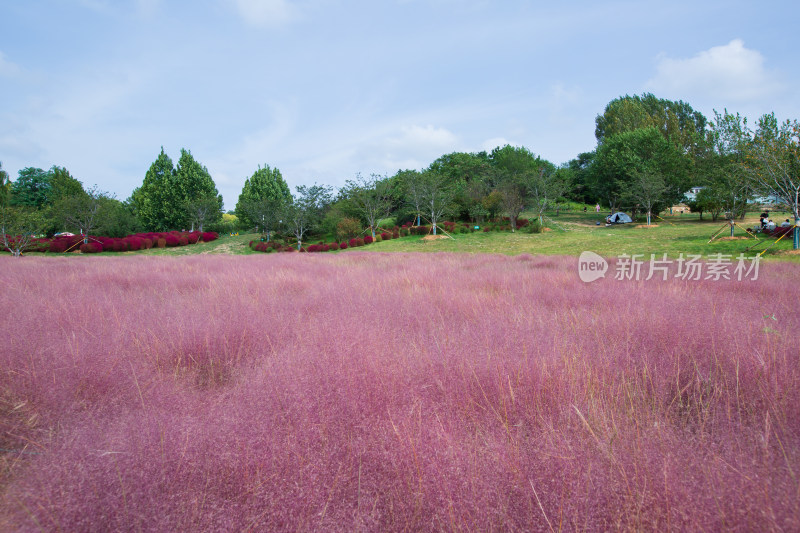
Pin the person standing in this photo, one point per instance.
(597, 208)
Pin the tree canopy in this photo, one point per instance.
(265, 186)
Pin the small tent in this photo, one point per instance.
(619, 218)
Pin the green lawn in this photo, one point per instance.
(575, 232)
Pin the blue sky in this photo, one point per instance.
(323, 89)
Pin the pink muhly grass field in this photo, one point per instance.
(378, 392)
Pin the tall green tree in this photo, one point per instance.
(520, 172)
(266, 185)
(31, 188)
(464, 172)
(198, 194)
(62, 184)
(675, 121)
(158, 203)
(621, 157)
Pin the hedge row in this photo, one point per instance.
(138, 241)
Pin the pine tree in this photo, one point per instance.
(199, 196)
(156, 202)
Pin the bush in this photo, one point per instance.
(134, 243)
(193, 237)
(147, 243)
(532, 227)
(162, 242)
(361, 241)
(209, 236)
(396, 234)
(333, 246)
(183, 240)
(343, 246)
(347, 228)
(368, 239)
(385, 236)
(353, 242)
(91, 248)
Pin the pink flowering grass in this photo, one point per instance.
(378, 392)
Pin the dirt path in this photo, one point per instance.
(224, 248)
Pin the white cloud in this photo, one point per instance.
(496, 142)
(7, 68)
(410, 147)
(728, 73)
(266, 13)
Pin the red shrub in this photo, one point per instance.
(396, 234)
(333, 246)
(135, 243)
(58, 246)
(193, 237)
(162, 242)
(343, 246)
(91, 248)
(368, 239)
(312, 248)
(360, 241)
(209, 236)
(385, 236)
(170, 239)
(183, 240)
(353, 242)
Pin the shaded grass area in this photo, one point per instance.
(394, 392)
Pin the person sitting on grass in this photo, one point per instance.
(770, 225)
(786, 224)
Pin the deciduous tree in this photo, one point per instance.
(773, 163)
(304, 212)
(372, 198)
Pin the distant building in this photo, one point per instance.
(691, 194)
(771, 199)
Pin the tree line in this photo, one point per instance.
(649, 152)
